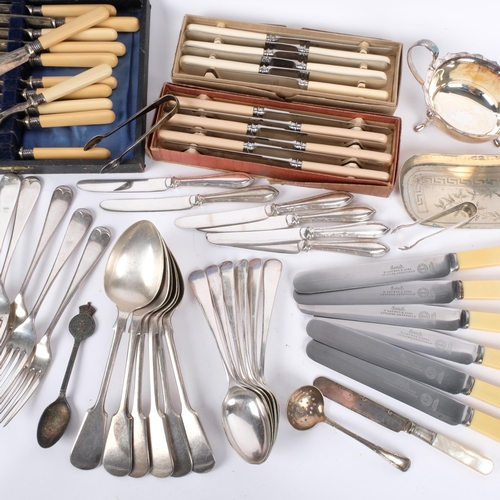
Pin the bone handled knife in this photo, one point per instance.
(394, 271)
(397, 423)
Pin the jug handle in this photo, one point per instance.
(430, 46)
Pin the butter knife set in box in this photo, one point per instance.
(295, 106)
(46, 116)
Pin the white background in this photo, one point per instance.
(319, 462)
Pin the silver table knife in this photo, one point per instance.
(351, 213)
(408, 292)
(397, 423)
(251, 195)
(394, 271)
(415, 315)
(429, 342)
(362, 230)
(230, 181)
(431, 401)
(407, 363)
(314, 204)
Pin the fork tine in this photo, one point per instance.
(14, 388)
(34, 379)
(16, 365)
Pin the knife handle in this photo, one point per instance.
(484, 321)
(73, 105)
(384, 159)
(200, 140)
(474, 259)
(90, 35)
(354, 213)
(71, 47)
(341, 171)
(209, 123)
(77, 24)
(455, 450)
(344, 133)
(491, 358)
(200, 65)
(63, 10)
(481, 289)
(368, 230)
(78, 82)
(353, 247)
(348, 91)
(50, 81)
(258, 194)
(485, 424)
(98, 117)
(316, 203)
(233, 181)
(348, 58)
(94, 91)
(64, 154)
(82, 60)
(332, 72)
(486, 392)
(209, 105)
(123, 24)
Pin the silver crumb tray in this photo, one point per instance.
(431, 183)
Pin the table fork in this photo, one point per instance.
(33, 371)
(22, 340)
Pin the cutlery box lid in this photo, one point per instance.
(273, 89)
(276, 174)
(129, 96)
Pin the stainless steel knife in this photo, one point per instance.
(258, 194)
(351, 213)
(414, 315)
(361, 230)
(431, 401)
(407, 363)
(397, 423)
(363, 248)
(408, 292)
(313, 204)
(429, 342)
(394, 271)
(232, 181)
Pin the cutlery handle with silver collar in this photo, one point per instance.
(369, 230)
(352, 247)
(255, 194)
(314, 204)
(233, 181)
(353, 213)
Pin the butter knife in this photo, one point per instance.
(231, 181)
(250, 195)
(397, 423)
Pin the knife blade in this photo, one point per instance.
(271, 75)
(362, 230)
(394, 271)
(351, 213)
(414, 315)
(273, 61)
(19, 56)
(233, 181)
(431, 401)
(250, 195)
(407, 363)
(408, 292)
(258, 55)
(429, 342)
(363, 248)
(312, 204)
(397, 423)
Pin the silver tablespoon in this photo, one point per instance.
(306, 408)
(136, 252)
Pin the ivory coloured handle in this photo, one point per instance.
(63, 10)
(117, 48)
(94, 91)
(481, 289)
(74, 105)
(346, 90)
(486, 392)
(124, 24)
(200, 140)
(209, 105)
(484, 321)
(486, 424)
(208, 123)
(484, 257)
(341, 171)
(384, 159)
(491, 358)
(100, 117)
(50, 81)
(70, 154)
(84, 60)
(92, 34)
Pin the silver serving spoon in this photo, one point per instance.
(306, 408)
(131, 280)
(55, 418)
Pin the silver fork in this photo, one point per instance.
(33, 371)
(22, 340)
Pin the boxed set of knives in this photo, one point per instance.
(106, 51)
(295, 106)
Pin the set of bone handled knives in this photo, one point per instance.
(56, 63)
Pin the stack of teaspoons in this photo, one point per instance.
(23, 360)
(87, 40)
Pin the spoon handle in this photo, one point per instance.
(400, 462)
(201, 451)
(69, 368)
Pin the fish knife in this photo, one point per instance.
(251, 195)
(429, 342)
(313, 204)
(232, 181)
(394, 271)
(414, 315)
(431, 401)
(408, 292)
(407, 363)
(397, 423)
